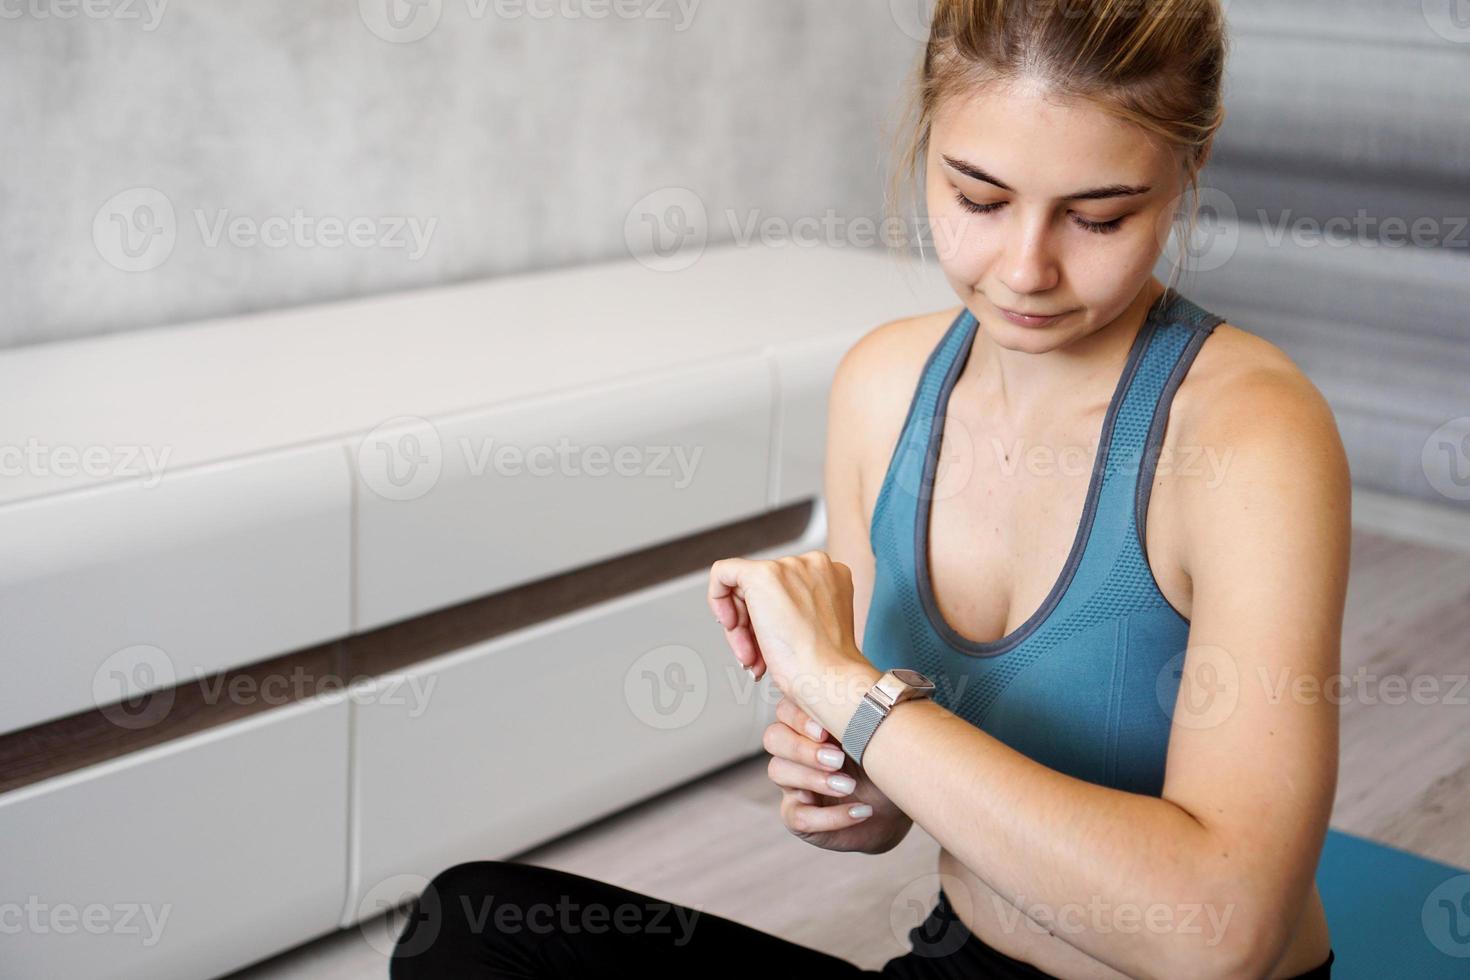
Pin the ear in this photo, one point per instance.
(1204, 156)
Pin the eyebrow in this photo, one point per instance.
(1093, 194)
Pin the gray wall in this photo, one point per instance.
(1341, 193)
(524, 140)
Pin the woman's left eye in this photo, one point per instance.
(974, 208)
(1096, 227)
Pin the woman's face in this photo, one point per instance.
(1075, 209)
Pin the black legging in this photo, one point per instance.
(500, 919)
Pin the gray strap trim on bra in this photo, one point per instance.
(1153, 444)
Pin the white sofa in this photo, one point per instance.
(275, 527)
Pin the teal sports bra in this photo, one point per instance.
(1087, 685)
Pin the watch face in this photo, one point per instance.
(913, 678)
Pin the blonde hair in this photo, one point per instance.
(1158, 64)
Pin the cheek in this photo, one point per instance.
(1103, 277)
(960, 239)
(1132, 253)
(1129, 252)
(1097, 273)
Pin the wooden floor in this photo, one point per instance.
(718, 845)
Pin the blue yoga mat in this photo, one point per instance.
(1392, 913)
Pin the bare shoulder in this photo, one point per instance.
(1246, 401)
(1242, 385)
(874, 385)
(884, 353)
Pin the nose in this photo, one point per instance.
(1028, 264)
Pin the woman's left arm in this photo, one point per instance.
(1218, 868)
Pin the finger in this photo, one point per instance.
(805, 796)
(788, 712)
(746, 632)
(805, 818)
(781, 740)
(747, 649)
(726, 598)
(790, 775)
(727, 582)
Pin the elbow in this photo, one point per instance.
(1217, 963)
(1256, 957)
(1224, 962)
(1230, 943)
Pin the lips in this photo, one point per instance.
(1029, 319)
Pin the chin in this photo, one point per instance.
(1030, 340)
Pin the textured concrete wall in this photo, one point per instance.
(199, 158)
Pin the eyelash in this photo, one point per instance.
(1096, 227)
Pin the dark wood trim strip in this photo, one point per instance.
(97, 735)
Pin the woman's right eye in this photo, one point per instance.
(974, 208)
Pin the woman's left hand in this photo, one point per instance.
(790, 617)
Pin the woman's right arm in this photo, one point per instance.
(810, 807)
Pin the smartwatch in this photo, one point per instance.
(895, 686)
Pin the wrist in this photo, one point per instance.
(839, 698)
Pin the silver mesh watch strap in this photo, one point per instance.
(860, 728)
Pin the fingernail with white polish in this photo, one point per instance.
(860, 811)
(841, 782)
(814, 730)
(830, 757)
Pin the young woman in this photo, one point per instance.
(1110, 527)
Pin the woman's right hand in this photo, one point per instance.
(813, 809)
